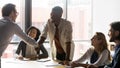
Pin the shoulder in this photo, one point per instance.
(106, 51)
(8, 23)
(49, 22)
(66, 21)
(90, 50)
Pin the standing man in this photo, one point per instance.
(60, 35)
(8, 28)
(114, 34)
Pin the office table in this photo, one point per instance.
(44, 63)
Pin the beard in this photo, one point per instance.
(112, 39)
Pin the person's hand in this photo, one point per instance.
(74, 64)
(65, 62)
(62, 62)
(20, 58)
(33, 58)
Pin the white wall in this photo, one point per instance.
(104, 12)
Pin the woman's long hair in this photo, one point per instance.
(103, 45)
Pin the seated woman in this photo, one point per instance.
(97, 55)
(30, 52)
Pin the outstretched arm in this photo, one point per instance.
(44, 52)
(41, 41)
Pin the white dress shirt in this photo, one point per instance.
(30, 51)
(65, 35)
(102, 60)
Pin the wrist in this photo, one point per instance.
(68, 43)
(67, 59)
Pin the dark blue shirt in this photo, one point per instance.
(116, 58)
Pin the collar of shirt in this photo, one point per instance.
(8, 19)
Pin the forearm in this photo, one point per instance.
(25, 37)
(40, 42)
(68, 49)
(42, 39)
(84, 65)
(75, 64)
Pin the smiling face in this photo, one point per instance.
(32, 33)
(56, 14)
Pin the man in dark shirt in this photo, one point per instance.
(114, 34)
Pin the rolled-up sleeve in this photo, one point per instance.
(68, 32)
(45, 30)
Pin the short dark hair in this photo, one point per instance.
(57, 9)
(7, 9)
(116, 27)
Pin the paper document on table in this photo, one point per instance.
(67, 66)
(44, 60)
(13, 61)
(52, 64)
